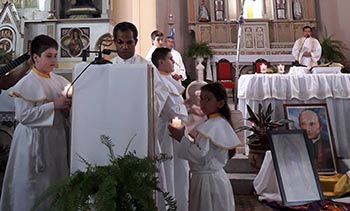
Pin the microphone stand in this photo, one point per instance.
(238, 53)
(98, 60)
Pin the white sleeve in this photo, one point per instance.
(195, 152)
(316, 55)
(31, 114)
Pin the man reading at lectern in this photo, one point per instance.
(307, 50)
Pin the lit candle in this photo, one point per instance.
(263, 68)
(280, 68)
(67, 92)
(176, 122)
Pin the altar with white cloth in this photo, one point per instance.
(279, 89)
(116, 101)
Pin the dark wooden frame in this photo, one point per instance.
(292, 112)
(297, 178)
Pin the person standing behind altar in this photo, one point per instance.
(307, 50)
(125, 39)
(179, 73)
(176, 170)
(157, 42)
(38, 153)
(207, 154)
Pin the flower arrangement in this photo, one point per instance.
(127, 184)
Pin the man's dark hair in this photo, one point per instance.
(41, 43)
(307, 27)
(158, 54)
(170, 37)
(156, 33)
(125, 26)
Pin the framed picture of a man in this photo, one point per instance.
(314, 119)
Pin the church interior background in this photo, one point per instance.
(269, 30)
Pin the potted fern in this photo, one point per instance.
(332, 50)
(260, 123)
(200, 49)
(126, 184)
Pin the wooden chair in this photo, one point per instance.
(257, 63)
(225, 74)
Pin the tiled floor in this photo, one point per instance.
(249, 203)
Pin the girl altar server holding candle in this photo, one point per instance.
(174, 110)
(38, 154)
(210, 189)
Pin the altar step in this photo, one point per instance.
(241, 174)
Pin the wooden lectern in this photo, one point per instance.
(113, 100)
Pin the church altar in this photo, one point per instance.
(279, 89)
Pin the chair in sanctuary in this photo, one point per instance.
(258, 63)
(225, 74)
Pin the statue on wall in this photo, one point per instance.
(84, 3)
(82, 9)
(203, 13)
(297, 11)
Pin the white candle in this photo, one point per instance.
(176, 122)
(67, 92)
(263, 68)
(280, 68)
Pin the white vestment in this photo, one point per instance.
(179, 67)
(210, 189)
(38, 153)
(150, 52)
(176, 169)
(311, 45)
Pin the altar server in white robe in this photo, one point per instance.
(210, 189)
(179, 73)
(38, 153)
(307, 50)
(176, 170)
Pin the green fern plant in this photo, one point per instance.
(126, 184)
(332, 50)
(200, 49)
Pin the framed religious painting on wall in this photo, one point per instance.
(281, 9)
(314, 119)
(297, 178)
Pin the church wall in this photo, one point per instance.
(333, 18)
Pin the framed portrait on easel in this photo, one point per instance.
(314, 119)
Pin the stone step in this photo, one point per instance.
(242, 184)
(241, 174)
(240, 164)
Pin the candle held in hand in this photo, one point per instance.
(176, 122)
(68, 92)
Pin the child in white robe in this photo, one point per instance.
(176, 170)
(210, 189)
(38, 153)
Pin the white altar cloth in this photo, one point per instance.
(279, 89)
(265, 183)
